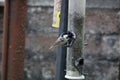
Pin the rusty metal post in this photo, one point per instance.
(14, 39)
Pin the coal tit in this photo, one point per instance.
(65, 39)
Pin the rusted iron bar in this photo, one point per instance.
(5, 42)
(14, 39)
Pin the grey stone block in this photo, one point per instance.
(40, 2)
(40, 21)
(89, 3)
(1, 2)
(105, 21)
(101, 70)
(103, 3)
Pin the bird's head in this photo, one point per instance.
(65, 36)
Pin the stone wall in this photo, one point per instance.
(102, 33)
(103, 50)
(89, 3)
(40, 61)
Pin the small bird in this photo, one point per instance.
(78, 64)
(65, 39)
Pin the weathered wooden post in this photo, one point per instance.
(75, 23)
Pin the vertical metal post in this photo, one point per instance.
(5, 42)
(14, 39)
(61, 55)
(76, 24)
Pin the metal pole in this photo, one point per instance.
(76, 24)
(5, 42)
(14, 39)
(61, 55)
